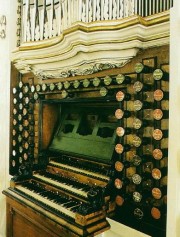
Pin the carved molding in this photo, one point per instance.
(81, 70)
(85, 48)
(2, 27)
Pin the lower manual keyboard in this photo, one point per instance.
(65, 206)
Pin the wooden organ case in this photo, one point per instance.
(90, 147)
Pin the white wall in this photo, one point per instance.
(7, 8)
(173, 226)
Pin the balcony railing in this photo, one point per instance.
(44, 19)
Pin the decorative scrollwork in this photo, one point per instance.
(3, 27)
(87, 70)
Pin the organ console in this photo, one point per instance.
(87, 148)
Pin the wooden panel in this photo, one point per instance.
(24, 221)
(24, 227)
(49, 117)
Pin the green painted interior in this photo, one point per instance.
(86, 130)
